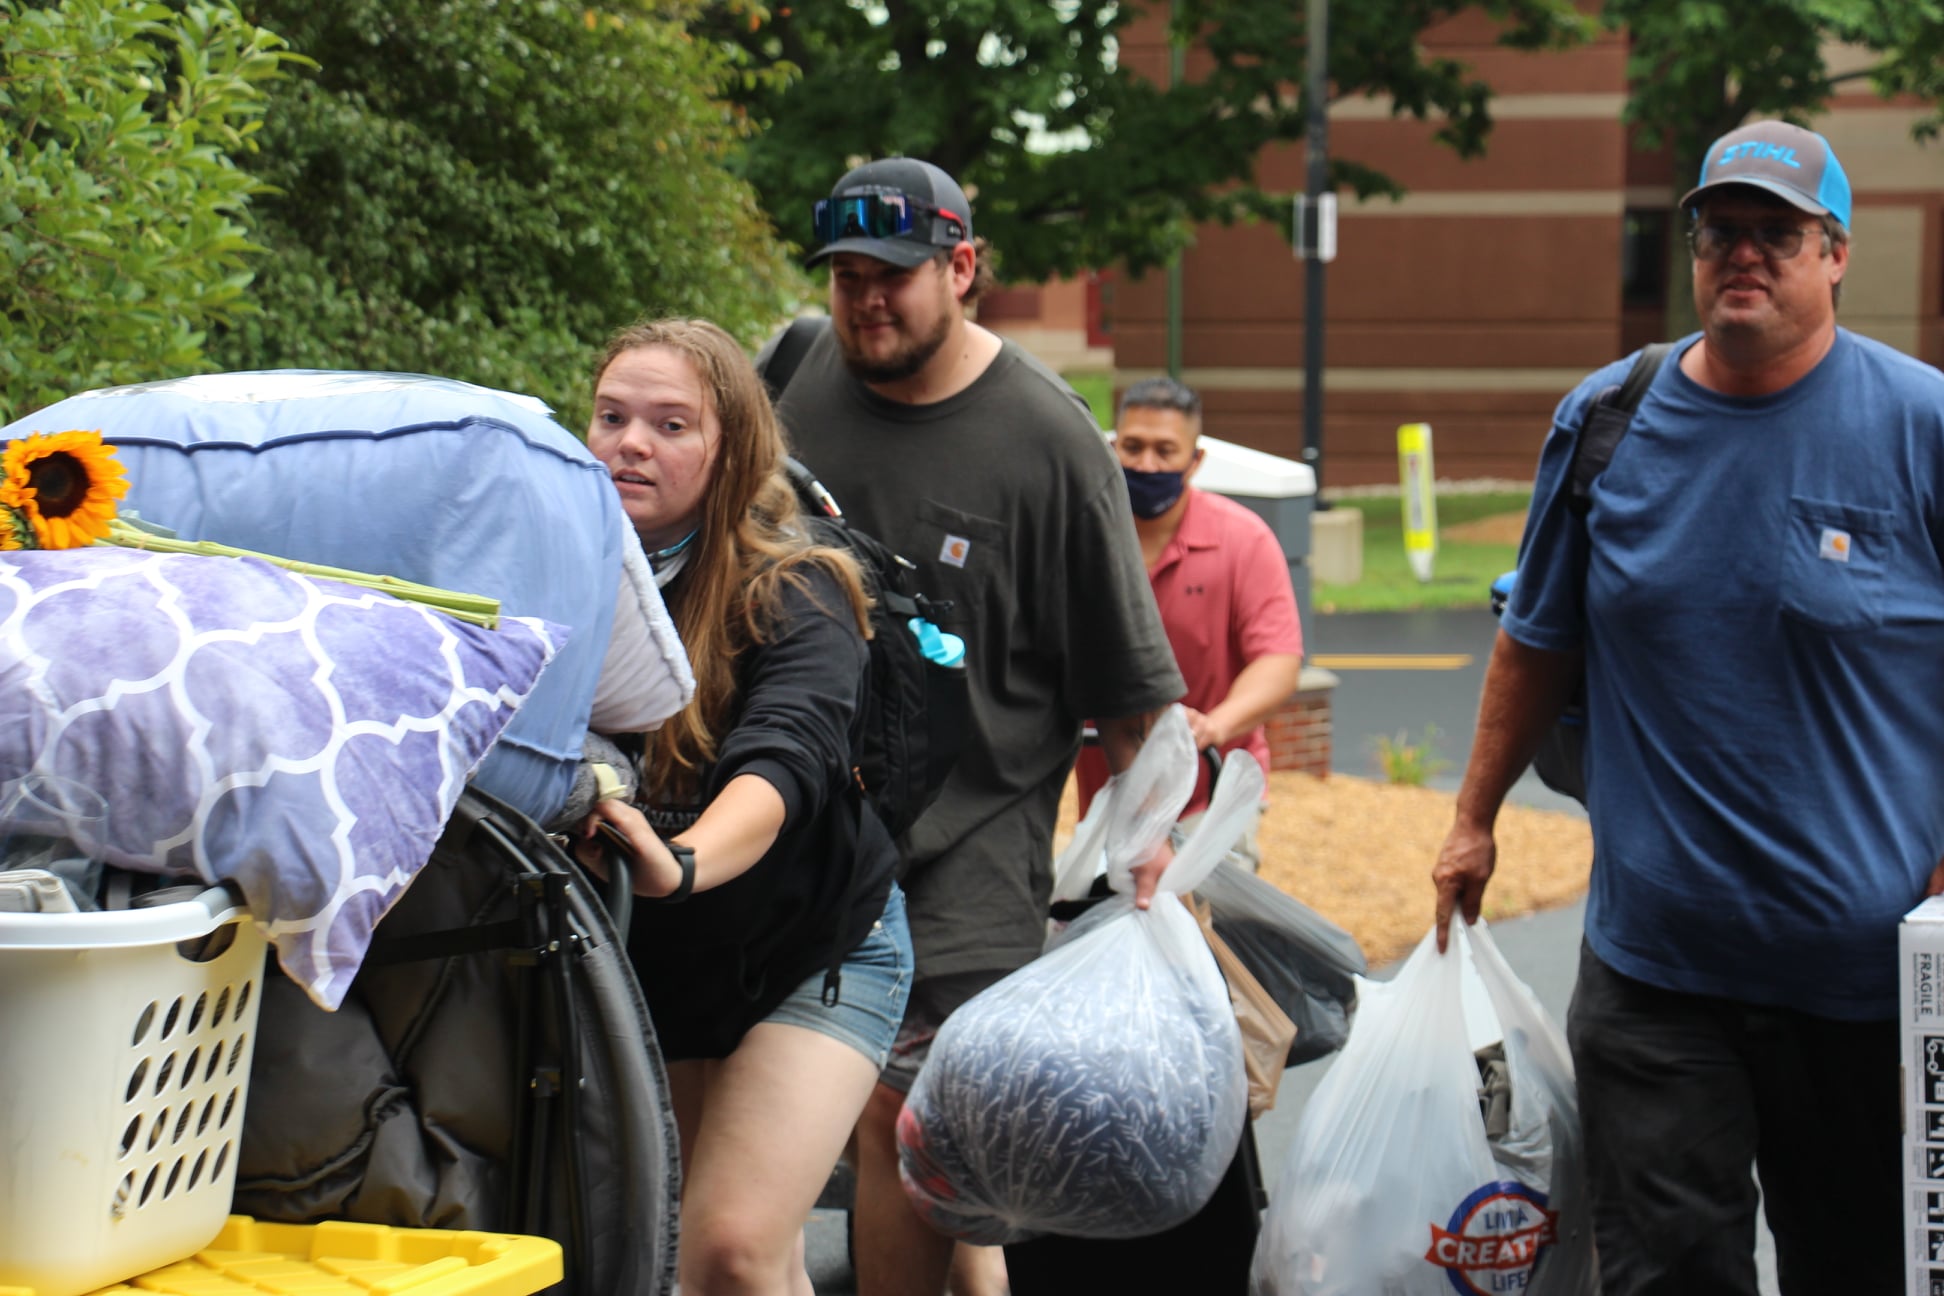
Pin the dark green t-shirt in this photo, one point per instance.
(1011, 504)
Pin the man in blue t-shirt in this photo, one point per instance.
(1756, 594)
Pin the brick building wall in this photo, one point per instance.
(1498, 282)
(1472, 304)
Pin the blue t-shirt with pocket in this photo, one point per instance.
(1763, 624)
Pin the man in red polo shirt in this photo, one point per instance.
(1220, 579)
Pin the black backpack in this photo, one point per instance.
(780, 359)
(1560, 760)
(918, 712)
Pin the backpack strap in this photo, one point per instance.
(1607, 421)
(881, 563)
(792, 344)
(812, 494)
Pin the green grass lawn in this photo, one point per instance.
(1461, 576)
(1096, 386)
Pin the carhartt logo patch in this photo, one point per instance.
(954, 550)
(1835, 545)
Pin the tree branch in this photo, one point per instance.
(1859, 75)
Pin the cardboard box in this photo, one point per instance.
(1920, 993)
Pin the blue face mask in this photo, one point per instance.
(1153, 493)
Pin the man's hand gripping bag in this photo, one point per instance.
(1099, 1091)
(1393, 1185)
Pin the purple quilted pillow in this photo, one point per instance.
(303, 738)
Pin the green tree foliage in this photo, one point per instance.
(122, 207)
(486, 190)
(1079, 161)
(1700, 68)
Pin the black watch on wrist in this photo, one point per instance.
(685, 856)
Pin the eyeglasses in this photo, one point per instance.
(1715, 240)
(879, 215)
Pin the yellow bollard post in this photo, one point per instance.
(1418, 497)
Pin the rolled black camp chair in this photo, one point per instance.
(494, 1068)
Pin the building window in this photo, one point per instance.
(1643, 257)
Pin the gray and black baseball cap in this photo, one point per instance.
(1794, 164)
(899, 210)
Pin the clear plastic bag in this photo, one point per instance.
(1099, 1091)
(1307, 963)
(1133, 813)
(1392, 1187)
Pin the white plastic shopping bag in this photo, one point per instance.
(1392, 1184)
(1099, 1091)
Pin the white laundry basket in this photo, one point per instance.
(125, 1044)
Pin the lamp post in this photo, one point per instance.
(1319, 229)
(1177, 67)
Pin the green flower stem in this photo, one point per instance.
(474, 608)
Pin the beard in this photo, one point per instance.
(907, 361)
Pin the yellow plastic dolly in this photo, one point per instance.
(249, 1258)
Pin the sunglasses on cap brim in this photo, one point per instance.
(883, 216)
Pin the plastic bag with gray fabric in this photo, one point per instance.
(493, 1068)
(1394, 1149)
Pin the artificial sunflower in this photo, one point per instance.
(59, 490)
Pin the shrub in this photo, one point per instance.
(1410, 763)
(123, 233)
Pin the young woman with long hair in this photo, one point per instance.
(777, 968)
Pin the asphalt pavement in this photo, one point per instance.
(1406, 675)
(1383, 692)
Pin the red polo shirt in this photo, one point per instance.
(1223, 588)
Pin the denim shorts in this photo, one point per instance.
(876, 980)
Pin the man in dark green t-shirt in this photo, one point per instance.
(970, 458)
